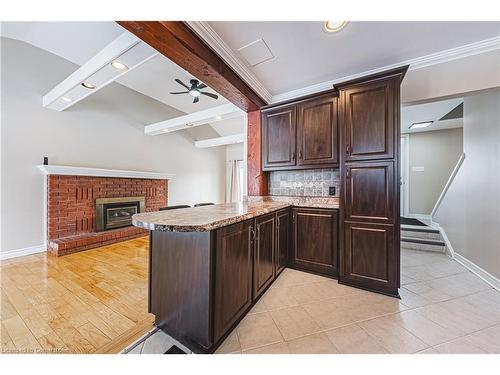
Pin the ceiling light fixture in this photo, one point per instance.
(189, 124)
(194, 93)
(65, 99)
(334, 26)
(418, 125)
(165, 130)
(118, 65)
(218, 117)
(88, 85)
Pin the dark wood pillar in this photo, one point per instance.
(257, 180)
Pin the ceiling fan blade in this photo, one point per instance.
(196, 99)
(201, 86)
(213, 96)
(181, 83)
(182, 92)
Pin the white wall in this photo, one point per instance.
(452, 78)
(105, 131)
(470, 210)
(437, 152)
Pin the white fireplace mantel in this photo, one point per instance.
(98, 172)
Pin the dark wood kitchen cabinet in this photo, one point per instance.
(278, 138)
(264, 260)
(369, 192)
(317, 141)
(283, 239)
(301, 135)
(369, 121)
(315, 240)
(370, 256)
(233, 275)
(369, 117)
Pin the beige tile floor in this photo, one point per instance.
(444, 308)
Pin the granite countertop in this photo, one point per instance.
(207, 218)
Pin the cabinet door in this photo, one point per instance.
(317, 139)
(233, 275)
(315, 240)
(283, 222)
(369, 192)
(370, 257)
(278, 138)
(369, 115)
(264, 253)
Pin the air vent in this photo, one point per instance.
(457, 112)
(256, 52)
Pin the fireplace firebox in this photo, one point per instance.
(112, 213)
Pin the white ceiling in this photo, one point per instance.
(302, 55)
(80, 41)
(305, 55)
(73, 41)
(155, 78)
(430, 112)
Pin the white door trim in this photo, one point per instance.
(405, 173)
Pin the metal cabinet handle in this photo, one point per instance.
(300, 154)
(348, 150)
(293, 155)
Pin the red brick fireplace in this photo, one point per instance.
(71, 209)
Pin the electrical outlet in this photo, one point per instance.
(331, 190)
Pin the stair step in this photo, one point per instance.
(421, 229)
(429, 234)
(423, 244)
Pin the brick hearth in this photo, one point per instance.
(71, 209)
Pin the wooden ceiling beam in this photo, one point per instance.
(176, 41)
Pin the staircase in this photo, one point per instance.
(422, 238)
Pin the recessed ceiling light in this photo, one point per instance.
(417, 125)
(166, 130)
(189, 124)
(118, 65)
(88, 85)
(218, 117)
(212, 145)
(65, 99)
(334, 26)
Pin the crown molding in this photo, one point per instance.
(98, 172)
(467, 50)
(205, 32)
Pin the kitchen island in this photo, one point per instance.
(209, 265)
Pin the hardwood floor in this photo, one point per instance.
(89, 302)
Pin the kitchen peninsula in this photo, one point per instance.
(209, 265)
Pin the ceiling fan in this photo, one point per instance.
(194, 90)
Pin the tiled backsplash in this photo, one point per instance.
(309, 182)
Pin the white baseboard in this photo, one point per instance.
(449, 249)
(474, 268)
(22, 252)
